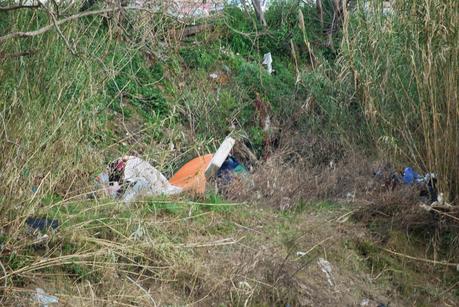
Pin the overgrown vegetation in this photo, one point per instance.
(350, 83)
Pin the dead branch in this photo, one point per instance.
(434, 262)
(58, 29)
(18, 7)
(59, 22)
(70, 18)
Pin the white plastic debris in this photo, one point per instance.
(300, 254)
(220, 156)
(138, 179)
(326, 267)
(103, 183)
(441, 203)
(365, 302)
(268, 61)
(44, 299)
(213, 76)
(425, 207)
(350, 196)
(145, 180)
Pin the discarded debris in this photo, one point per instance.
(42, 223)
(41, 240)
(268, 61)
(229, 169)
(130, 177)
(326, 267)
(44, 299)
(410, 176)
(428, 183)
(440, 203)
(191, 177)
(220, 156)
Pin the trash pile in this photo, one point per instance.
(130, 178)
(427, 184)
(43, 299)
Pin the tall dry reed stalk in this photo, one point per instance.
(404, 66)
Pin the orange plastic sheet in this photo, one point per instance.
(191, 177)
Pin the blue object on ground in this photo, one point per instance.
(410, 176)
(229, 168)
(42, 224)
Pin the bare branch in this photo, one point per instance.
(59, 22)
(17, 7)
(70, 18)
(58, 29)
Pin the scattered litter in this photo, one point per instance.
(268, 61)
(440, 200)
(130, 177)
(110, 188)
(365, 302)
(41, 223)
(191, 177)
(40, 241)
(430, 189)
(220, 156)
(425, 207)
(300, 254)
(350, 197)
(332, 165)
(426, 184)
(213, 76)
(194, 174)
(138, 170)
(229, 169)
(440, 203)
(410, 176)
(326, 267)
(44, 299)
